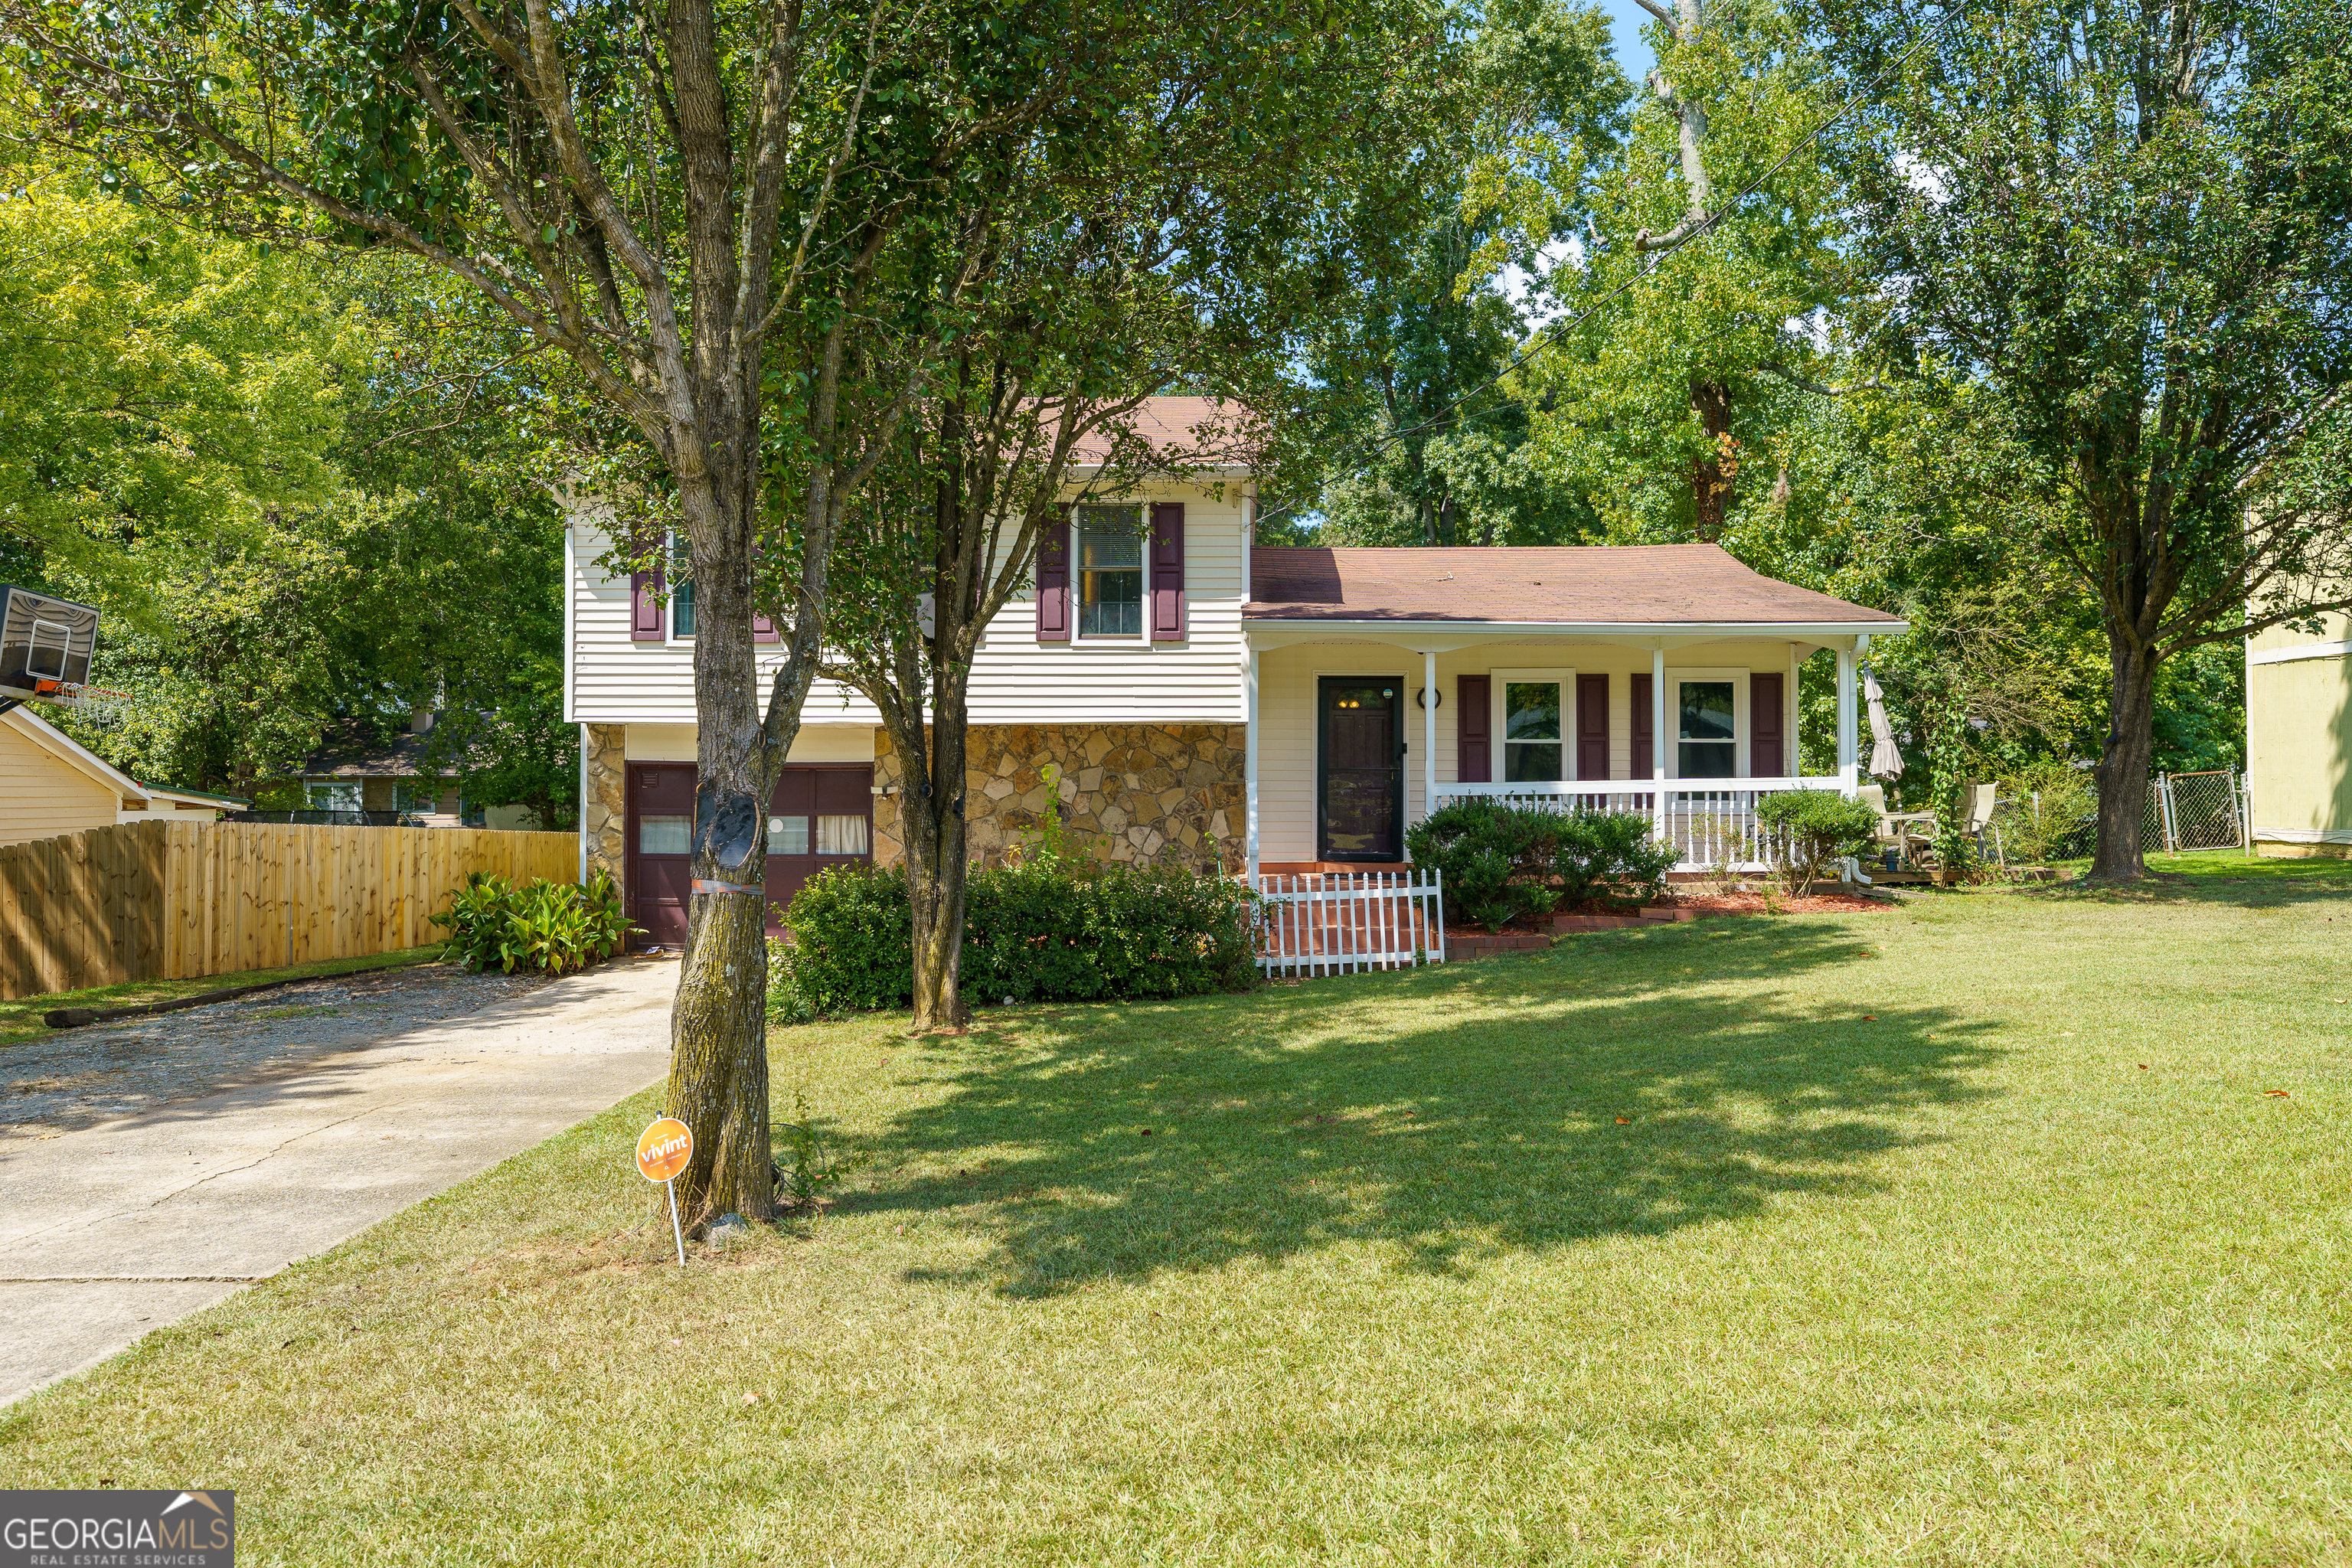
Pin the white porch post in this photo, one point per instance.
(1658, 735)
(1846, 761)
(1249, 761)
(1429, 732)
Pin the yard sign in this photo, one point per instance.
(663, 1151)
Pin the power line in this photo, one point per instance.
(1550, 336)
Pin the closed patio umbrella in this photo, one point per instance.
(1885, 757)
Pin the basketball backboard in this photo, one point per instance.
(46, 642)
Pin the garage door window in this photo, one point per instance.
(841, 835)
(665, 835)
(788, 836)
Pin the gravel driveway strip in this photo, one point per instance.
(151, 1167)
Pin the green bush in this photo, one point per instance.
(1807, 831)
(1039, 932)
(1501, 862)
(555, 927)
(2048, 811)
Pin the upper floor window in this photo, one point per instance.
(1110, 570)
(681, 593)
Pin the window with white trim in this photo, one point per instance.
(1110, 570)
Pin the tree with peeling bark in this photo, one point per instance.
(1181, 251)
(1710, 268)
(695, 208)
(2129, 232)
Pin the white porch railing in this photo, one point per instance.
(1711, 823)
(1339, 922)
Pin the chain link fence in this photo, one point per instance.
(2185, 812)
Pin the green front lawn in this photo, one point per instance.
(20, 1020)
(1966, 1233)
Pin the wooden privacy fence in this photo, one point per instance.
(178, 901)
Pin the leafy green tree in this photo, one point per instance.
(700, 208)
(1418, 438)
(1172, 248)
(2126, 232)
(1705, 291)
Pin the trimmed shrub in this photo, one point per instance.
(1611, 857)
(1040, 932)
(1808, 831)
(1503, 863)
(555, 927)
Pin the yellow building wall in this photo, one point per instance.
(2299, 752)
(42, 796)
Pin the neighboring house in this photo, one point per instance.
(353, 772)
(2299, 738)
(1246, 709)
(51, 783)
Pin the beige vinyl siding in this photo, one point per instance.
(2299, 752)
(1287, 679)
(1017, 680)
(43, 796)
(814, 743)
(614, 680)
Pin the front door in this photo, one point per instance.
(1363, 777)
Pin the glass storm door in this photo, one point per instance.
(1362, 789)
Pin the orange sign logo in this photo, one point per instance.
(664, 1148)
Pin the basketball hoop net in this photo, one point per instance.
(98, 704)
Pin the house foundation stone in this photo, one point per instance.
(604, 814)
(1166, 793)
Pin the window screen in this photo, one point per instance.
(1531, 738)
(1707, 747)
(1110, 570)
(665, 835)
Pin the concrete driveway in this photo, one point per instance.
(112, 1226)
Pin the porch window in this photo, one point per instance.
(1531, 734)
(1707, 747)
(1110, 572)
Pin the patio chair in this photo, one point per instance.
(1905, 832)
(1983, 799)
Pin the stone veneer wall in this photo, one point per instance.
(604, 814)
(1130, 792)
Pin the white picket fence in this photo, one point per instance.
(1341, 922)
(1711, 823)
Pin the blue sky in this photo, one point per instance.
(1625, 19)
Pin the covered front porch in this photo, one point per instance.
(1355, 732)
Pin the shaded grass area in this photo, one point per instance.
(21, 1019)
(1966, 1232)
(2228, 875)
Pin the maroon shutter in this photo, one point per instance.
(763, 629)
(1765, 724)
(646, 607)
(1645, 721)
(1168, 571)
(1474, 759)
(1592, 726)
(1054, 579)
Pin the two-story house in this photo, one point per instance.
(1249, 709)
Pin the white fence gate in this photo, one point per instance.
(1339, 923)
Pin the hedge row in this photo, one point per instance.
(1033, 933)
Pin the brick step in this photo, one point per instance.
(1566, 925)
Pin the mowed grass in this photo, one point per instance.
(1972, 1232)
(20, 1020)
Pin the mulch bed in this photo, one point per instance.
(1811, 904)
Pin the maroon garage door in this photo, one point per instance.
(822, 815)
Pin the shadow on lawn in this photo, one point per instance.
(1455, 1112)
(2255, 884)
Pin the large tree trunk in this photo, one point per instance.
(718, 1048)
(2126, 762)
(1715, 473)
(937, 851)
